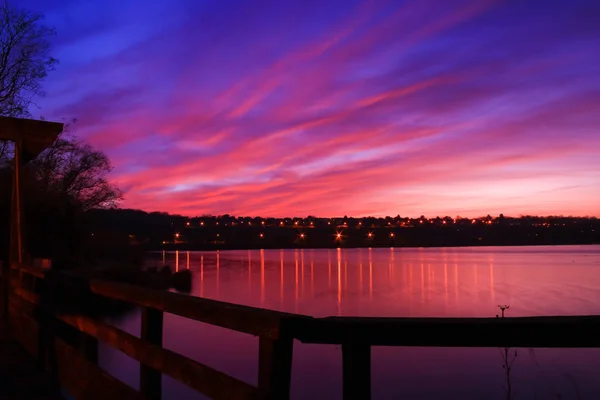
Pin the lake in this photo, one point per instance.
(396, 282)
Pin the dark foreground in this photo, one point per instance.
(76, 359)
(20, 376)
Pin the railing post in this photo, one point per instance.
(152, 331)
(5, 282)
(356, 360)
(275, 366)
(89, 346)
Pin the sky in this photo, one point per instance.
(335, 107)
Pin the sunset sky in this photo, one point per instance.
(321, 107)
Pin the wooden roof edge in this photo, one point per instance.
(36, 135)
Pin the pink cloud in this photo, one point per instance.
(424, 108)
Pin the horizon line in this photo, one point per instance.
(494, 216)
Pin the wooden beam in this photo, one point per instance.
(275, 367)
(536, 332)
(16, 227)
(152, 332)
(202, 378)
(356, 365)
(250, 320)
(80, 378)
(36, 135)
(540, 332)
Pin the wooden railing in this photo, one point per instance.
(67, 343)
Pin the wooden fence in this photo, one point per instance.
(66, 343)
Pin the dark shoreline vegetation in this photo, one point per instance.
(161, 231)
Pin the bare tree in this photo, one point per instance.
(24, 62)
(24, 59)
(75, 170)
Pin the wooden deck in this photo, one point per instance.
(69, 337)
(20, 375)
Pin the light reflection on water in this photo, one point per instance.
(561, 280)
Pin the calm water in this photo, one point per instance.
(557, 280)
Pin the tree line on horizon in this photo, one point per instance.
(160, 230)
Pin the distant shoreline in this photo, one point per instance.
(197, 249)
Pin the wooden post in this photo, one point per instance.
(5, 282)
(152, 331)
(356, 360)
(89, 346)
(16, 234)
(275, 367)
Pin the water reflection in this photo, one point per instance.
(218, 264)
(370, 273)
(262, 277)
(281, 277)
(399, 282)
(201, 275)
(402, 282)
(491, 272)
(339, 282)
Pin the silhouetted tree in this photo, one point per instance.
(59, 186)
(24, 62)
(76, 172)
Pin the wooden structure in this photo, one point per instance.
(20, 375)
(30, 138)
(67, 342)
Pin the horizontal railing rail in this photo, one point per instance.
(276, 332)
